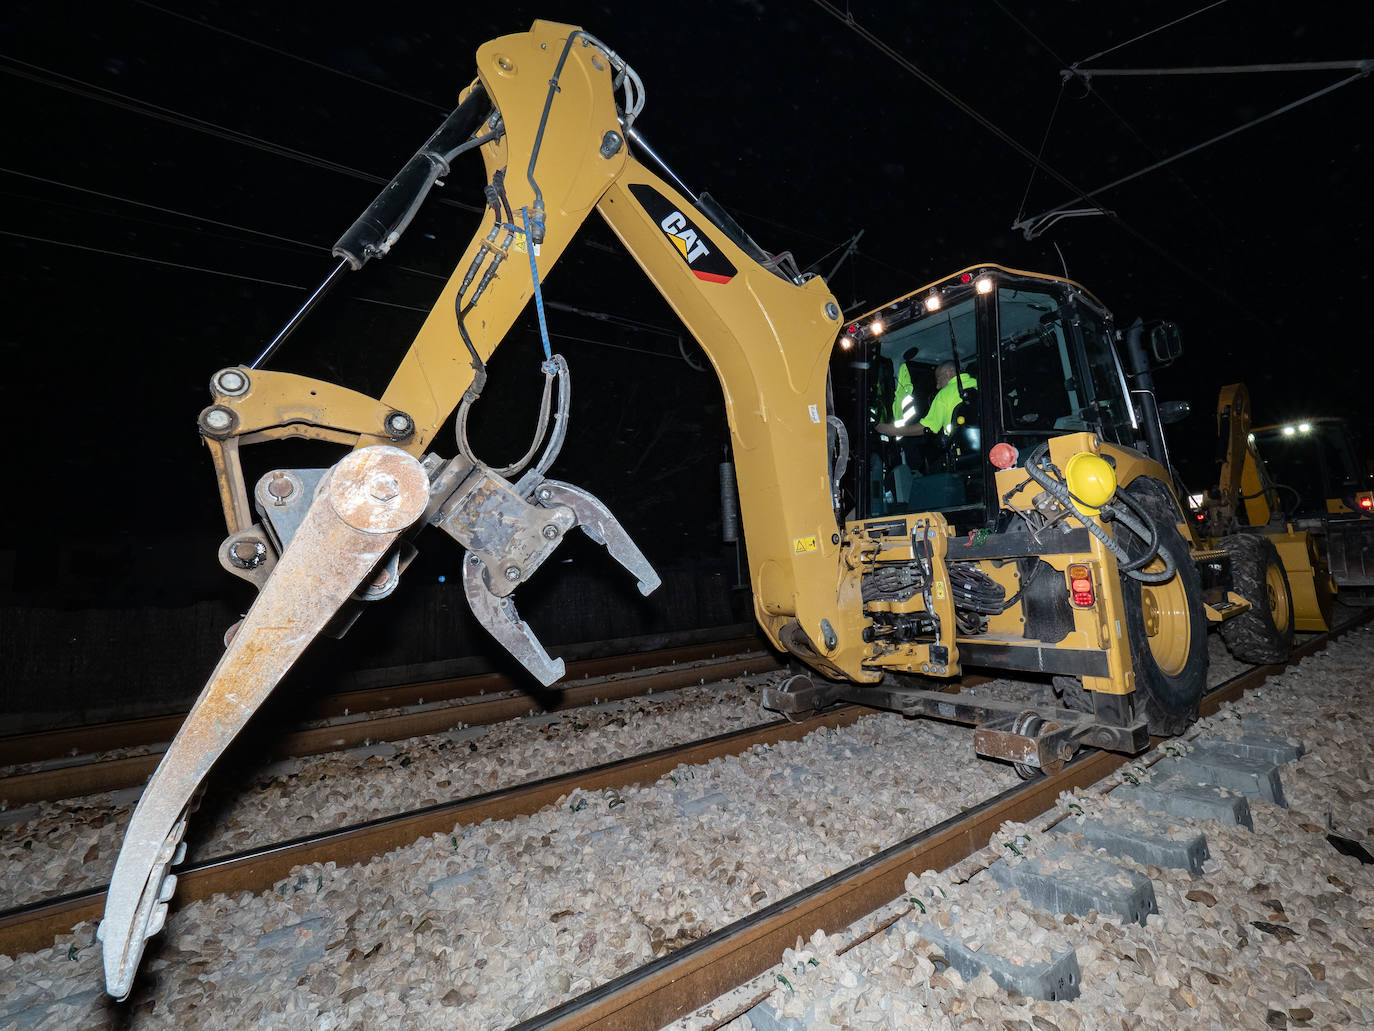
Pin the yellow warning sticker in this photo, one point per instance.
(940, 590)
(801, 545)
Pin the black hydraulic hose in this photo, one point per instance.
(537, 211)
(1146, 531)
(1060, 492)
(495, 193)
(556, 368)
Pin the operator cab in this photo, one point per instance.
(1035, 360)
(1313, 462)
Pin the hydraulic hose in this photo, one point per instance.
(1142, 528)
(555, 368)
(840, 438)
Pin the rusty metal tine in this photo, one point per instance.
(363, 504)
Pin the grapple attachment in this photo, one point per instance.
(509, 532)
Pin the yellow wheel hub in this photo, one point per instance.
(1277, 597)
(1150, 611)
(1168, 628)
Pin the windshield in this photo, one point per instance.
(1312, 460)
(932, 380)
(923, 444)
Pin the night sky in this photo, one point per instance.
(173, 181)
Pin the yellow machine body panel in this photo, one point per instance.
(515, 71)
(1309, 581)
(769, 341)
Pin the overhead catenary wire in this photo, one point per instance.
(1364, 64)
(100, 94)
(1039, 154)
(188, 268)
(189, 216)
(1159, 28)
(89, 91)
(1030, 225)
(183, 266)
(897, 58)
(119, 199)
(609, 318)
(209, 27)
(1207, 208)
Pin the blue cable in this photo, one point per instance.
(538, 296)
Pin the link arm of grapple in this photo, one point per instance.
(361, 507)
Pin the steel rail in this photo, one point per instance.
(101, 774)
(34, 926)
(683, 981)
(151, 730)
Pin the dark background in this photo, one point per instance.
(173, 179)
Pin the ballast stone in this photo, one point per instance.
(1065, 881)
(299, 949)
(1191, 802)
(1151, 847)
(765, 1018)
(697, 806)
(456, 880)
(1055, 980)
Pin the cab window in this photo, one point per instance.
(1110, 409)
(1040, 394)
(940, 470)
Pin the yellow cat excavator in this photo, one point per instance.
(1041, 533)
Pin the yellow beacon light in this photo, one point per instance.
(1091, 480)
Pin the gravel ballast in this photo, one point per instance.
(1275, 932)
(497, 922)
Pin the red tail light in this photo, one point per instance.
(1366, 502)
(1080, 586)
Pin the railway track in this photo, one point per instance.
(694, 974)
(74, 763)
(660, 992)
(27, 928)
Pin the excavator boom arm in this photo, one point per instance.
(327, 541)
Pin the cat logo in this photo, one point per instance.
(697, 250)
(684, 237)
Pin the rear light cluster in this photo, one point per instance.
(1080, 585)
(1365, 501)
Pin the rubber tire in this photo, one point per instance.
(1072, 694)
(1170, 701)
(1255, 636)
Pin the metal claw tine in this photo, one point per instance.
(365, 502)
(500, 619)
(598, 524)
